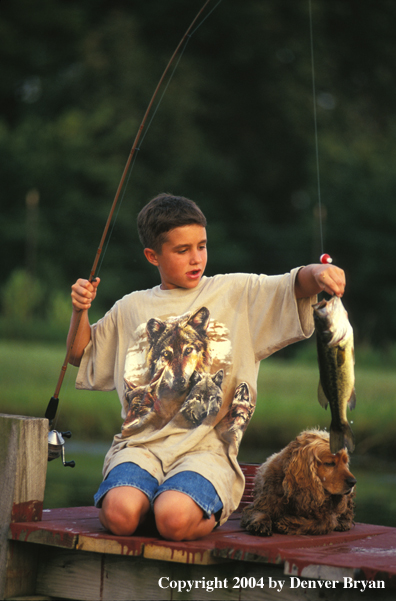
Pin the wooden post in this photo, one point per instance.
(23, 470)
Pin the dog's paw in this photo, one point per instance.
(343, 526)
(258, 526)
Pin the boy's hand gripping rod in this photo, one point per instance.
(54, 401)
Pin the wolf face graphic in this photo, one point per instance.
(177, 349)
(141, 401)
(204, 399)
(233, 425)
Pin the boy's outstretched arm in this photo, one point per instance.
(316, 278)
(83, 293)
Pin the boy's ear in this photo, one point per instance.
(151, 256)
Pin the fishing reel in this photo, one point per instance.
(56, 446)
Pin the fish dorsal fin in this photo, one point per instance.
(352, 400)
(321, 396)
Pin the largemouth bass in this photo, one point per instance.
(334, 336)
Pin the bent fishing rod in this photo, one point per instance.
(54, 401)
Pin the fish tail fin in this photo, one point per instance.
(341, 437)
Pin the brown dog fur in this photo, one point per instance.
(304, 489)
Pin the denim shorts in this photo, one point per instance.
(190, 483)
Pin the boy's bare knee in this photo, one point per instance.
(178, 517)
(172, 525)
(121, 524)
(123, 509)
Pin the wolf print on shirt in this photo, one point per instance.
(170, 373)
(234, 424)
(177, 348)
(204, 399)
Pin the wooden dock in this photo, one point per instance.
(66, 553)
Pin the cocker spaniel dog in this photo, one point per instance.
(304, 489)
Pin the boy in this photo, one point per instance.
(184, 358)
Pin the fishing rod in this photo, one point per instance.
(56, 439)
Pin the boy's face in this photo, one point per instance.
(183, 257)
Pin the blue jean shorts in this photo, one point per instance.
(190, 483)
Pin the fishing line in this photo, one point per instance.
(188, 38)
(206, 17)
(316, 128)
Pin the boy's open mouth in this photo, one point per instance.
(194, 273)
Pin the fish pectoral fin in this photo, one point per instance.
(321, 396)
(352, 400)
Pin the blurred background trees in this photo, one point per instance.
(234, 131)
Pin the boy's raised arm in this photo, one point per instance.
(83, 293)
(316, 278)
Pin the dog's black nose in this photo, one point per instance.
(351, 482)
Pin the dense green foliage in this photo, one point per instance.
(234, 131)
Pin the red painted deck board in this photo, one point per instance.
(373, 555)
(366, 549)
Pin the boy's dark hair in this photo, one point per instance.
(162, 214)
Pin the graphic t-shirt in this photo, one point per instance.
(185, 365)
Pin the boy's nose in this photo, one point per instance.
(195, 257)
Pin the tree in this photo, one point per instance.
(234, 131)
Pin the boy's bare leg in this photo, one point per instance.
(123, 509)
(178, 517)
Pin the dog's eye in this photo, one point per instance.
(330, 464)
(167, 355)
(188, 350)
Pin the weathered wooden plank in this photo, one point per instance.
(179, 553)
(69, 529)
(23, 465)
(275, 549)
(71, 514)
(373, 557)
(86, 576)
(21, 570)
(113, 545)
(32, 533)
(23, 468)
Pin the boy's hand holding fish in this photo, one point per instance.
(316, 278)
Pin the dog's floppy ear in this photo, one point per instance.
(301, 480)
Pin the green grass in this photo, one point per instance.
(287, 403)
(287, 399)
(29, 375)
